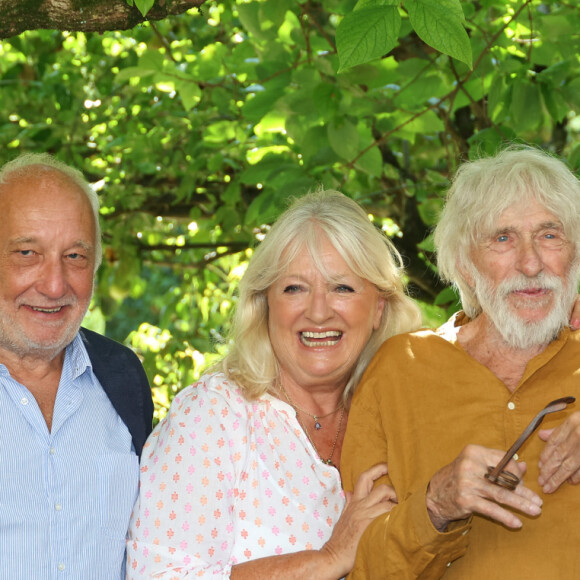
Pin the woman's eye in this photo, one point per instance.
(344, 288)
(291, 289)
(502, 238)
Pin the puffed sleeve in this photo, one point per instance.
(182, 524)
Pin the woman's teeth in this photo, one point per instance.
(327, 338)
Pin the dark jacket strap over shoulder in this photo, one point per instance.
(124, 380)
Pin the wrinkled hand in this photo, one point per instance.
(363, 505)
(560, 459)
(460, 489)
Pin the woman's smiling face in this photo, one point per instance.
(320, 323)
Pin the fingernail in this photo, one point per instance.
(535, 510)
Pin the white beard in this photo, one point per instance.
(515, 331)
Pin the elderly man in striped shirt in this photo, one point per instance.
(75, 407)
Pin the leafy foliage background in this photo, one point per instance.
(199, 128)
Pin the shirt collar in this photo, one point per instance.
(77, 358)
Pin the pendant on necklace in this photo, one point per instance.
(317, 424)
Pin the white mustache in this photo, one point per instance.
(520, 282)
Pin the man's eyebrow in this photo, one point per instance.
(82, 244)
(22, 240)
(498, 232)
(543, 226)
(551, 226)
(30, 240)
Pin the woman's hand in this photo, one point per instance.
(363, 505)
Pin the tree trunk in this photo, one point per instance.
(16, 16)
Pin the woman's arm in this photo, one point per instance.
(336, 558)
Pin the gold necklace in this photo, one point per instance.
(296, 408)
(329, 460)
(317, 424)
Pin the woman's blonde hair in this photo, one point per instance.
(483, 189)
(251, 362)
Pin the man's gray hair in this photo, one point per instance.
(483, 189)
(37, 164)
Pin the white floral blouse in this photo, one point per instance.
(225, 480)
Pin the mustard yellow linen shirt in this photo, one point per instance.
(420, 402)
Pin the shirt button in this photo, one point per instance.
(52, 451)
(511, 405)
(57, 507)
(24, 401)
(61, 567)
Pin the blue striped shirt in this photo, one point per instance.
(65, 496)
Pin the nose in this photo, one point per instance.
(52, 280)
(530, 260)
(319, 308)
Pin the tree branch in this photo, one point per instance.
(16, 16)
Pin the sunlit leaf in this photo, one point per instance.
(367, 34)
(439, 23)
(144, 5)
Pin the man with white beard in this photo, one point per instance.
(442, 407)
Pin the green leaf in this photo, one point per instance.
(430, 210)
(526, 105)
(190, 94)
(374, 3)
(496, 96)
(439, 23)
(132, 72)
(446, 296)
(574, 159)
(149, 63)
(316, 148)
(555, 102)
(262, 210)
(269, 166)
(367, 34)
(260, 104)
(572, 93)
(260, 19)
(489, 141)
(144, 5)
(371, 162)
(343, 138)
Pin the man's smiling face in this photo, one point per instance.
(47, 257)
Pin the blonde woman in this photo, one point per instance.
(241, 479)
